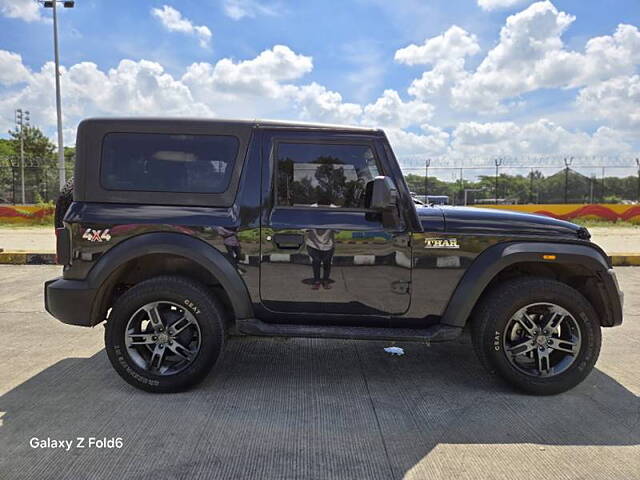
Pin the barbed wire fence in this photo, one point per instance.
(41, 183)
(465, 180)
(556, 179)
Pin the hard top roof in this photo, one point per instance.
(256, 123)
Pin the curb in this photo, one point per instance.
(33, 258)
(625, 260)
(27, 258)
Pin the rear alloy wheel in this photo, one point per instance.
(165, 334)
(163, 338)
(538, 334)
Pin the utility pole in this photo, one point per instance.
(531, 186)
(22, 119)
(427, 163)
(52, 4)
(638, 164)
(567, 164)
(498, 162)
(461, 182)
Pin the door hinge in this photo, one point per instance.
(401, 287)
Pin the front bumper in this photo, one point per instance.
(70, 301)
(616, 295)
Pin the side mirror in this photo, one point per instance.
(381, 194)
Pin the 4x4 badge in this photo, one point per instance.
(441, 243)
(96, 235)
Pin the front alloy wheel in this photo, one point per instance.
(538, 334)
(542, 339)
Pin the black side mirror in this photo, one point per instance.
(381, 194)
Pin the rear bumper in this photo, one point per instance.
(70, 301)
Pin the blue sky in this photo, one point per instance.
(570, 107)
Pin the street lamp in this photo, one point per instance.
(22, 120)
(52, 4)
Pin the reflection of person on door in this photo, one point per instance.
(321, 245)
(231, 243)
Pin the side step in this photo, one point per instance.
(434, 333)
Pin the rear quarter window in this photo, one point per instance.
(150, 162)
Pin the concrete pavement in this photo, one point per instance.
(304, 408)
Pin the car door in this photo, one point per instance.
(322, 252)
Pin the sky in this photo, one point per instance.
(461, 82)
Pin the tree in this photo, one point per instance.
(6, 149)
(36, 144)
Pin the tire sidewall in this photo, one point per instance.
(197, 302)
(561, 295)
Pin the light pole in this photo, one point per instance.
(22, 119)
(638, 164)
(498, 162)
(427, 163)
(567, 164)
(52, 4)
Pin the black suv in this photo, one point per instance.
(181, 232)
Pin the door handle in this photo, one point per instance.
(288, 241)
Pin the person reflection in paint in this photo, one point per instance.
(320, 244)
(232, 244)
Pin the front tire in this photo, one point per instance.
(537, 334)
(165, 334)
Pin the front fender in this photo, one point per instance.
(172, 244)
(498, 257)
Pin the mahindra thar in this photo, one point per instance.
(178, 233)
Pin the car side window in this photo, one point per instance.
(323, 175)
(154, 162)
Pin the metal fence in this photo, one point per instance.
(464, 181)
(41, 182)
(523, 181)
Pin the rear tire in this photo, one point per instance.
(515, 335)
(165, 334)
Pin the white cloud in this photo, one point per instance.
(541, 138)
(531, 56)
(27, 10)
(447, 54)
(272, 85)
(132, 88)
(248, 86)
(617, 101)
(12, 70)
(239, 9)
(316, 103)
(390, 111)
(455, 42)
(173, 21)
(499, 4)
(412, 148)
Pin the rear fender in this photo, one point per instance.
(171, 244)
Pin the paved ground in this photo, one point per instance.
(306, 408)
(42, 239)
